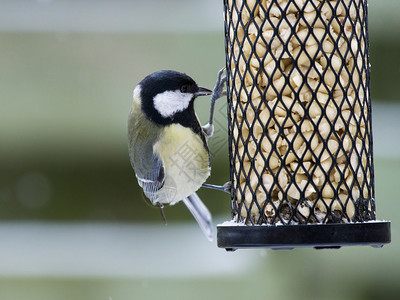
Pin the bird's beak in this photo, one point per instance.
(202, 92)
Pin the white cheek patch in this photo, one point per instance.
(171, 102)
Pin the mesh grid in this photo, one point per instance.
(299, 111)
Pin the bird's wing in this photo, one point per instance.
(150, 175)
(148, 166)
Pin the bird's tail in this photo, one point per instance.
(201, 213)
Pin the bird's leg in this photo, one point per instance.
(227, 187)
(162, 213)
(218, 92)
(208, 129)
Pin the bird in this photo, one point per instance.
(167, 146)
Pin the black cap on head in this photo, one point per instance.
(164, 81)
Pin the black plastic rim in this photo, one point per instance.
(319, 236)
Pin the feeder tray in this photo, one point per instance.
(300, 133)
(319, 236)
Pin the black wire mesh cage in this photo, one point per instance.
(300, 130)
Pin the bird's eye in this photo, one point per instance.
(184, 88)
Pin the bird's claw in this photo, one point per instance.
(228, 187)
(208, 129)
(218, 91)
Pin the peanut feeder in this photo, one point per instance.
(299, 114)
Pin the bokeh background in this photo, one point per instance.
(73, 222)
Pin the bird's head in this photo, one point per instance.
(165, 96)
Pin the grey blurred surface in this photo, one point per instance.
(111, 16)
(149, 16)
(113, 250)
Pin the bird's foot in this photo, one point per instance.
(208, 129)
(227, 187)
(218, 90)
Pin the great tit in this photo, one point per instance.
(167, 145)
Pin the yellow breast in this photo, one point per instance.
(186, 162)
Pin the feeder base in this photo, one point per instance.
(318, 236)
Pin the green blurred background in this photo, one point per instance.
(75, 225)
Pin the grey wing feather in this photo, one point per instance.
(151, 178)
(148, 166)
(201, 213)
